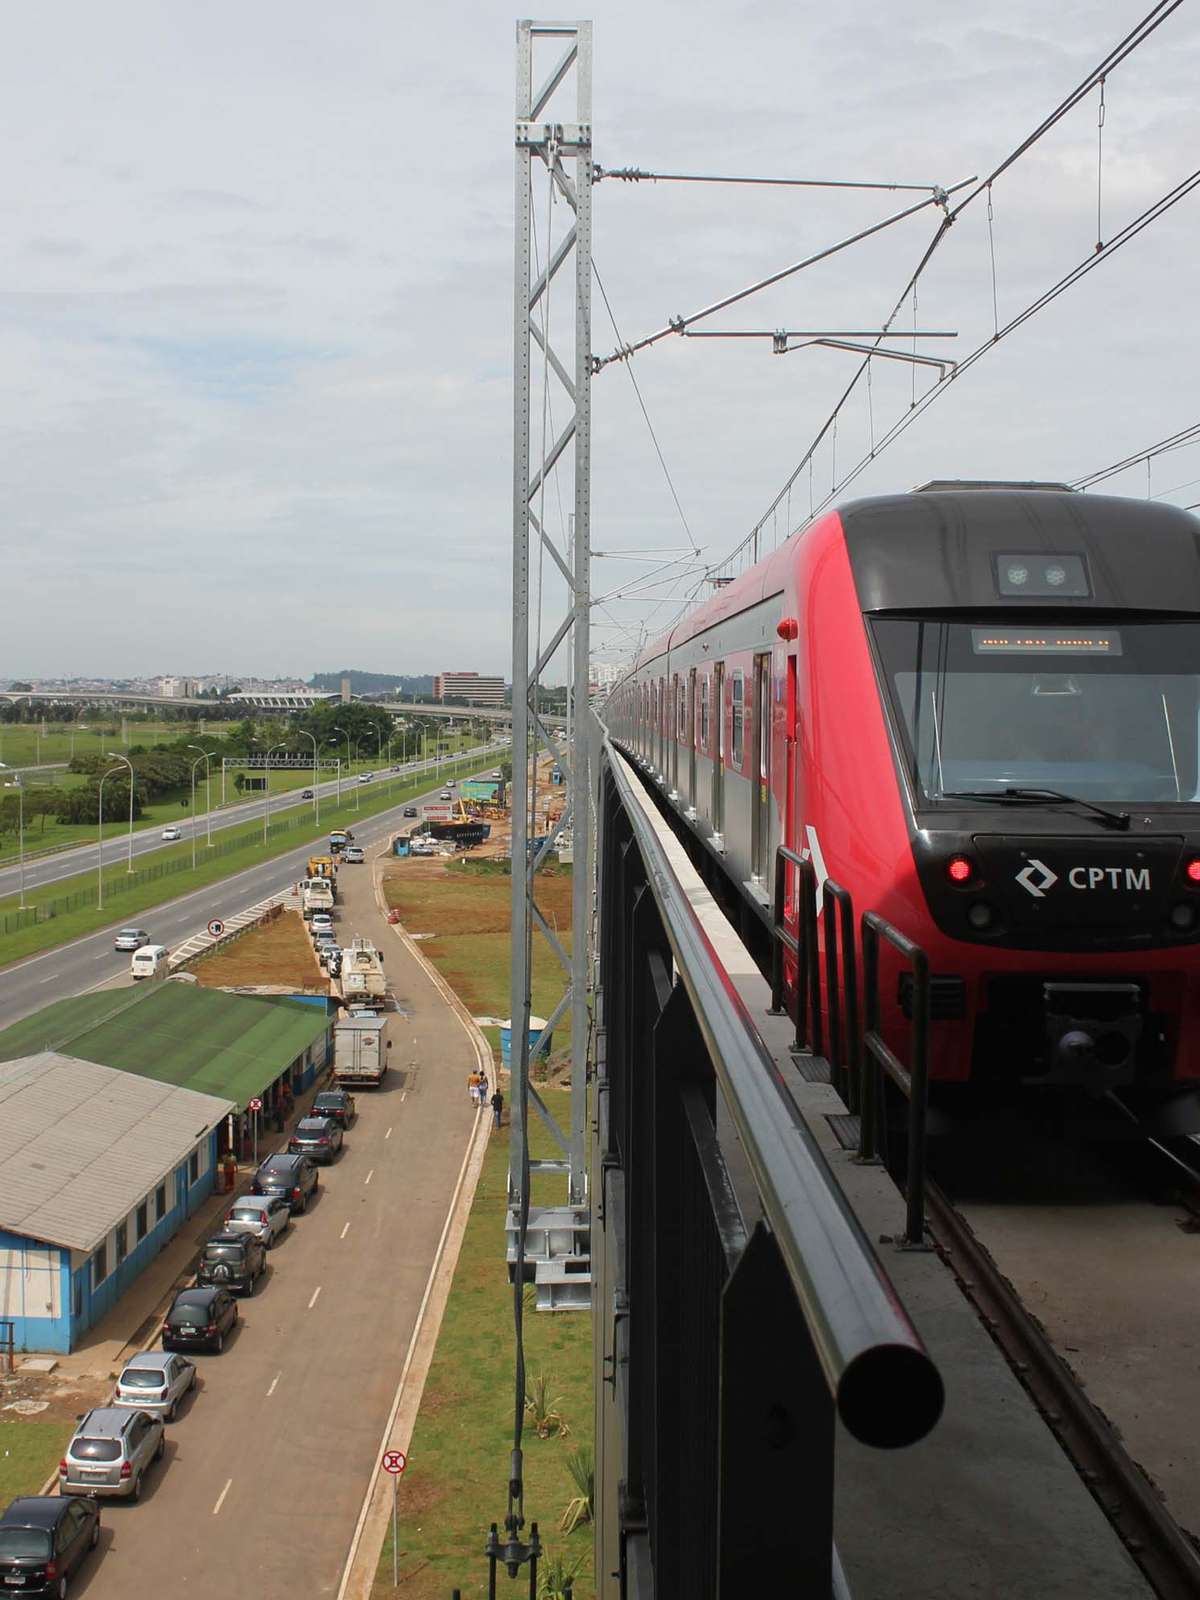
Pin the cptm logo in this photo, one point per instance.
(1037, 877)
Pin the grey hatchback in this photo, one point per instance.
(318, 1137)
(111, 1453)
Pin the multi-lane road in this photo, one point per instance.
(86, 963)
(82, 858)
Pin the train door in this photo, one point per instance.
(718, 771)
(691, 736)
(760, 754)
(789, 799)
(662, 727)
(676, 733)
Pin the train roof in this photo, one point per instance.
(935, 547)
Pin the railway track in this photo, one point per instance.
(1162, 1549)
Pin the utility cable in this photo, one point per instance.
(1173, 441)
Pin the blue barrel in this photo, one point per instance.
(536, 1024)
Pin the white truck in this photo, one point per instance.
(316, 895)
(364, 981)
(360, 1052)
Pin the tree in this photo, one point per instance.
(83, 804)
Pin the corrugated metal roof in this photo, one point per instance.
(84, 1143)
(223, 1044)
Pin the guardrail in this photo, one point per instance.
(739, 1306)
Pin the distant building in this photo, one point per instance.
(469, 686)
(177, 688)
(603, 676)
(279, 699)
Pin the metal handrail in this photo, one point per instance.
(803, 947)
(887, 1389)
(914, 1080)
(842, 996)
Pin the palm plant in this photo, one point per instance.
(542, 1409)
(582, 1469)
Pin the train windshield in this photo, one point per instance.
(1105, 713)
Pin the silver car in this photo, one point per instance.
(155, 1381)
(266, 1216)
(111, 1453)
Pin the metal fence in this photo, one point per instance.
(735, 1316)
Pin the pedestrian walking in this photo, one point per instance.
(497, 1107)
(483, 1089)
(473, 1085)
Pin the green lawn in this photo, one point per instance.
(240, 848)
(29, 1452)
(22, 744)
(456, 1481)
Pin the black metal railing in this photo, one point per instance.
(802, 945)
(738, 1306)
(913, 1080)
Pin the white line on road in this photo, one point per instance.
(388, 1134)
(344, 1231)
(221, 1497)
(403, 1096)
(315, 1293)
(274, 1381)
(103, 956)
(50, 979)
(368, 1177)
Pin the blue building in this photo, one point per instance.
(99, 1169)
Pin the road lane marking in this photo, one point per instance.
(388, 1134)
(103, 956)
(271, 1390)
(344, 1231)
(368, 1177)
(403, 1096)
(50, 979)
(221, 1497)
(315, 1293)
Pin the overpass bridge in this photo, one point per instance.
(285, 701)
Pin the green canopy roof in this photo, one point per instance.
(229, 1045)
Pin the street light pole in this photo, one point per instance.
(207, 754)
(337, 728)
(267, 805)
(100, 843)
(316, 778)
(203, 756)
(113, 756)
(20, 788)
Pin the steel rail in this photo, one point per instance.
(1153, 1538)
(887, 1389)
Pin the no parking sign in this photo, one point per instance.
(216, 927)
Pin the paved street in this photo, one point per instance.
(266, 1469)
(87, 962)
(82, 858)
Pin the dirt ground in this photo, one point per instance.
(56, 1399)
(551, 802)
(278, 953)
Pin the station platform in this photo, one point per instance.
(988, 1504)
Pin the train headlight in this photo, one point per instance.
(1056, 576)
(1017, 575)
(981, 916)
(960, 869)
(1183, 917)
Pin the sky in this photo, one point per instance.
(256, 303)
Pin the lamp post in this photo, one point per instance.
(316, 780)
(20, 788)
(267, 804)
(337, 728)
(100, 842)
(208, 755)
(113, 756)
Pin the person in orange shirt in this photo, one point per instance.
(473, 1083)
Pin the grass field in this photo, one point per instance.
(458, 1465)
(277, 952)
(28, 1453)
(247, 850)
(22, 744)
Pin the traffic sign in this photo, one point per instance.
(254, 1105)
(216, 927)
(394, 1461)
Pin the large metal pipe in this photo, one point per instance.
(886, 1387)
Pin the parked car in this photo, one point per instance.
(321, 920)
(318, 1137)
(130, 939)
(154, 1381)
(43, 1539)
(171, 832)
(234, 1261)
(200, 1319)
(306, 794)
(410, 811)
(353, 853)
(111, 1453)
(292, 1176)
(336, 1103)
(266, 1216)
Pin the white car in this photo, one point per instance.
(445, 795)
(130, 939)
(321, 922)
(155, 1381)
(172, 832)
(364, 777)
(267, 1216)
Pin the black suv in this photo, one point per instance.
(43, 1539)
(200, 1317)
(318, 1137)
(233, 1261)
(293, 1176)
(335, 1103)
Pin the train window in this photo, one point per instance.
(737, 700)
(703, 688)
(1122, 724)
(681, 709)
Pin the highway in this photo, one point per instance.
(86, 963)
(82, 858)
